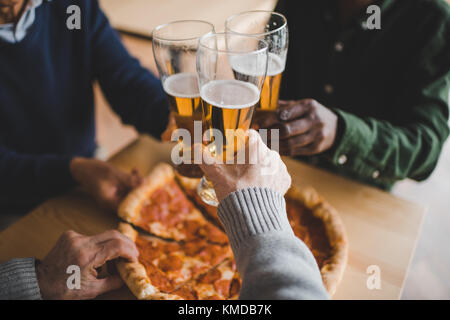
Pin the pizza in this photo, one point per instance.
(184, 252)
(179, 249)
(166, 267)
(220, 283)
(189, 186)
(312, 219)
(160, 207)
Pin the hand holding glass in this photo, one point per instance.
(175, 50)
(228, 96)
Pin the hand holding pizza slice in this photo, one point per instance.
(165, 267)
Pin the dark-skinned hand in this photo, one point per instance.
(306, 127)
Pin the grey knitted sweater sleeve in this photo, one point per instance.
(273, 262)
(18, 280)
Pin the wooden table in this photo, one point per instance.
(382, 229)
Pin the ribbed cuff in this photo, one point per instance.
(18, 280)
(251, 212)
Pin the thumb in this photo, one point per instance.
(110, 283)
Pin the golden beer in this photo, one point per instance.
(175, 46)
(244, 69)
(228, 107)
(184, 99)
(271, 90)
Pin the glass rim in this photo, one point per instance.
(164, 25)
(227, 21)
(257, 51)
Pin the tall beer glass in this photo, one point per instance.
(228, 97)
(175, 50)
(272, 27)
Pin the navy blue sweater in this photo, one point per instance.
(46, 99)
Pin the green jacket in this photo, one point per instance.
(389, 87)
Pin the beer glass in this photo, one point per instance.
(175, 49)
(272, 27)
(228, 97)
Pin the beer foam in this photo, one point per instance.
(247, 65)
(182, 85)
(230, 94)
(276, 65)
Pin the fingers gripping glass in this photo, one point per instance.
(228, 95)
(272, 27)
(175, 50)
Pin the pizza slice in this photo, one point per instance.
(164, 266)
(220, 283)
(160, 207)
(189, 186)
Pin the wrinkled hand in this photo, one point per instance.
(263, 168)
(107, 184)
(306, 127)
(89, 253)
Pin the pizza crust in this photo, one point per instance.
(332, 271)
(135, 275)
(131, 206)
(189, 186)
